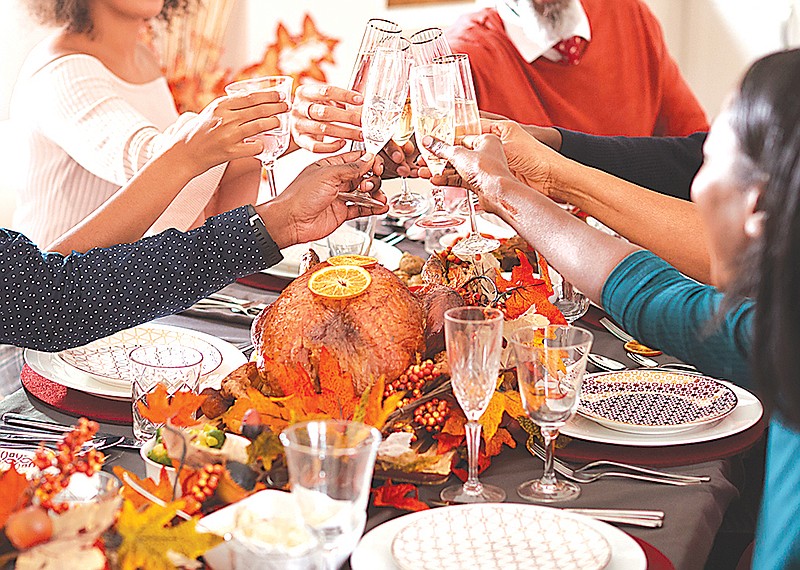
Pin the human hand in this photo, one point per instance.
(309, 208)
(321, 111)
(221, 131)
(483, 169)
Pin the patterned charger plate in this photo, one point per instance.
(654, 401)
(107, 358)
(508, 536)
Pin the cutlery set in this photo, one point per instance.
(612, 365)
(20, 432)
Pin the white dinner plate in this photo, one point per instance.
(289, 267)
(52, 367)
(106, 359)
(499, 535)
(654, 401)
(374, 551)
(746, 414)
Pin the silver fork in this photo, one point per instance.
(566, 471)
(615, 330)
(645, 470)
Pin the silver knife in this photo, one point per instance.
(33, 425)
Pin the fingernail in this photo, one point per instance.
(281, 96)
(358, 99)
(366, 157)
(369, 185)
(427, 140)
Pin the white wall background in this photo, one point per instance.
(712, 40)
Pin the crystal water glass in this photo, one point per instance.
(276, 141)
(331, 463)
(474, 339)
(551, 362)
(175, 367)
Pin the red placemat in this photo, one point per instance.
(265, 282)
(673, 455)
(74, 402)
(655, 558)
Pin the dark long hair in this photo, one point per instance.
(74, 14)
(765, 117)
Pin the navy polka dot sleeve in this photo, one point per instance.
(51, 302)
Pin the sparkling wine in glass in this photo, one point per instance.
(551, 362)
(474, 339)
(433, 108)
(276, 141)
(384, 97)
(468, 122)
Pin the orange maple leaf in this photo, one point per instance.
(544, 273)
(14, 493)
(161, 489)
(501, 402)
(373, 409)
(158, 406)
(495, 445)
(389, 495)
(276, 413)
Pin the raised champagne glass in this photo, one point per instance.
(551, 362)
(384, 96)
(433, 108)
(468, 122)
(428, 44)
(276, 141)
(474, 340)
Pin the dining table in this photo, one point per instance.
(693, 514)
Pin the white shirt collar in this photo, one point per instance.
(532, 37)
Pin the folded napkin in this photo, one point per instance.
(265, 281)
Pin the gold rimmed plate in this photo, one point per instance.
(654, 401)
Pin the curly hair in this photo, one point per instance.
(74, 14)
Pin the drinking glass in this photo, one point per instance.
(354, 237)
(474, 339)
(384, 96)
(550, 362)
(276, 141)
(572, 303)
(330, 470)
(406, 204)
(428, 44)
(433, 107)
(175, 367)
(468, 122)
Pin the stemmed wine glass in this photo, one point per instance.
(474, 339)
(276, 141)
(550, 362)
(468, 122)
(406, 204)
(433, 108)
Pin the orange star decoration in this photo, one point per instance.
(524, 290)
(389, 495)
(148, 537)
(297, 56)
(179, 409)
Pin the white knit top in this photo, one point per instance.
(85, 132)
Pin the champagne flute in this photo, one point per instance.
(474, 339)
(406, 204)
(428, 44)
(468, 122)
(433, 108)
(377, 33)
(384, 96)
(551, 362)
(276, 141)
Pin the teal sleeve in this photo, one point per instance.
(664, 309)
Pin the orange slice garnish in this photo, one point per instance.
(638, 348)
(357, 260)
(339, 281)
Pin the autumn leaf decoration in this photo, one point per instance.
(397, 496)
(158, 406)
(524, 290)
(14, 492)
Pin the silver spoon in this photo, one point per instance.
(642, 360)
(606, 363)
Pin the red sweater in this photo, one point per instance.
(625, 84)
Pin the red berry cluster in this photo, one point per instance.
(56, 469)
(412, 381)
(432, 415)
(206, 483)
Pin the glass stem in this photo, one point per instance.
(404, 192)
(438, 199)
(549, 435)
(473, 430)
(472, 223)
(566, 290)
(273, 189)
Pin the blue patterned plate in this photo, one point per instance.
(654, 401)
